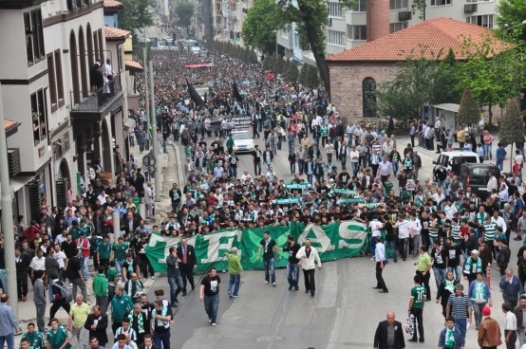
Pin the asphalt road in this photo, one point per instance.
(343, 314)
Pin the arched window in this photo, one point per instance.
(369, 98)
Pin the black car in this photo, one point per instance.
(477, 176)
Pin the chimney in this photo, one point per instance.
(378, 19)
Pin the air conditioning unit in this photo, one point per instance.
(13, 159)
(404, 15)
(35, 200)
(470, 8)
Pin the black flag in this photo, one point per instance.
(235, 92)
(196, 98)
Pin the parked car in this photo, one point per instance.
(477, 176)
(453, 159)
(243, 141)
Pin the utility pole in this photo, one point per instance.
(7, 217)
(146, 88)
(155, 140)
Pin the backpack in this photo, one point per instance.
(65, 292)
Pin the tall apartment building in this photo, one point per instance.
(348, 28)
(228, 19)
(63, 124)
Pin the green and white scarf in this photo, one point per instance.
(140, 321)
(449, 341)
(166, 324)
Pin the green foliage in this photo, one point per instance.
(184, 12)
(420, 6)
(261, 25)
(303, 73)
(493, 77)
(269, 62)
(243, 54)
(279, 64)
(290, 72)
(468, 111)
(510, 14)
(135, 14)
(510, 124)
(312, 78)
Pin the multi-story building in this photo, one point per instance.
(347, 28)
(49, 50)
(228, 19)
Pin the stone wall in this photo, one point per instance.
(346, 84)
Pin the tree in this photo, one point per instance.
(468, 111)
(135, 14)
(511, 129)
(303, 73)
(312, 79)
(261, 25)
(493, 74)
(184, 12)
(420, 6)
(291, 72)
(279, 64)
(510, 14)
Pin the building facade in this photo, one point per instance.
(348, 28)
(65, 123)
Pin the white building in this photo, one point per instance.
(348, 28)
(228, 19)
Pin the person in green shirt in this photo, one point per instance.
(104, 252)
(388, 186)
(424, 265)
(35, 338)
(100, 289)
(119, 253)
(121, 305)
(57, 337)
(416, 307)
(74, 230)
(235, 269)
(112, 274)
(230, 144)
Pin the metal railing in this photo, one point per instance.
(92, 101)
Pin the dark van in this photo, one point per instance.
(477, 176)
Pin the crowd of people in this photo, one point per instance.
(341, 166)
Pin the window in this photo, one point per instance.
(394, 27)
(361, 6)
(484, 20)
(34, 36)
(39, 116)
(59, 80)
(335, 9)
(357, 32)
(335, 38)
(52, 84)
(397, 4)
(440, 2)
(369, 98)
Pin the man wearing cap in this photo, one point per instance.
(473, 266)
(235, 269)
(489, 331)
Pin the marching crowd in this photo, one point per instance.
(341, 170)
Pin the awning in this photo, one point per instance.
(448, 106)
(129, 123)
(18, 182)
(133, 65)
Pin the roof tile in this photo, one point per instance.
(9, 124)
(426, 39)
(116, 33)
(112, 4)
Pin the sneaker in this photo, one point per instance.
(213, 324)
(266, 282)
(373, 258)
(209, 320)
(273, 284)
(153, 277)
(230, 294)
(234, 296)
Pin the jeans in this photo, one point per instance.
(477, 312)
(301, 164)
(417, 313)
(41, 312)
(500, 165)
(392, 245)
(293, 275)
(162, 339)
(270, 273)
(440, 275)
(487, 151)
(211, 307)
(78, 282)
(10, 338)
(395, 168)
(176, 286)
(522, 336)
(118, 266)
(461, 325)
(402, 245)
(233, 284)
(102, 302)
(85, 266)
(457, 270)
(416, 245)
(372, 245)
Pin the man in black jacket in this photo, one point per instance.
(389, 334)
(186, 254)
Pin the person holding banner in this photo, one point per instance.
(308, 257)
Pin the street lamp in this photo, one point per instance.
(507, 26)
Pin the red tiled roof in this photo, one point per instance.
(112, 4)
(133, 65)
(9, 125)
(427, 39)
(116, 33)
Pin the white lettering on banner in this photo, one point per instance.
(346, 234)
(214, 245)
(171, 242)
(321, 238)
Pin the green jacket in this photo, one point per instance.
(121, 307)
(100, 285)
(234, 264)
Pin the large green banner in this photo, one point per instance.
(333, 241)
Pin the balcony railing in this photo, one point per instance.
(93, 101)
(75, 5)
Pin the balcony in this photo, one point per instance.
(75, 5)
(89, 105)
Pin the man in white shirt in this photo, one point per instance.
(415, 227)
(355, 159)
(449, 209)
(496, 218)
(510, 324)
(404, 230)
(61, 258)
(493, 183)
(308, 257)
(379, 255)
(375, 225)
